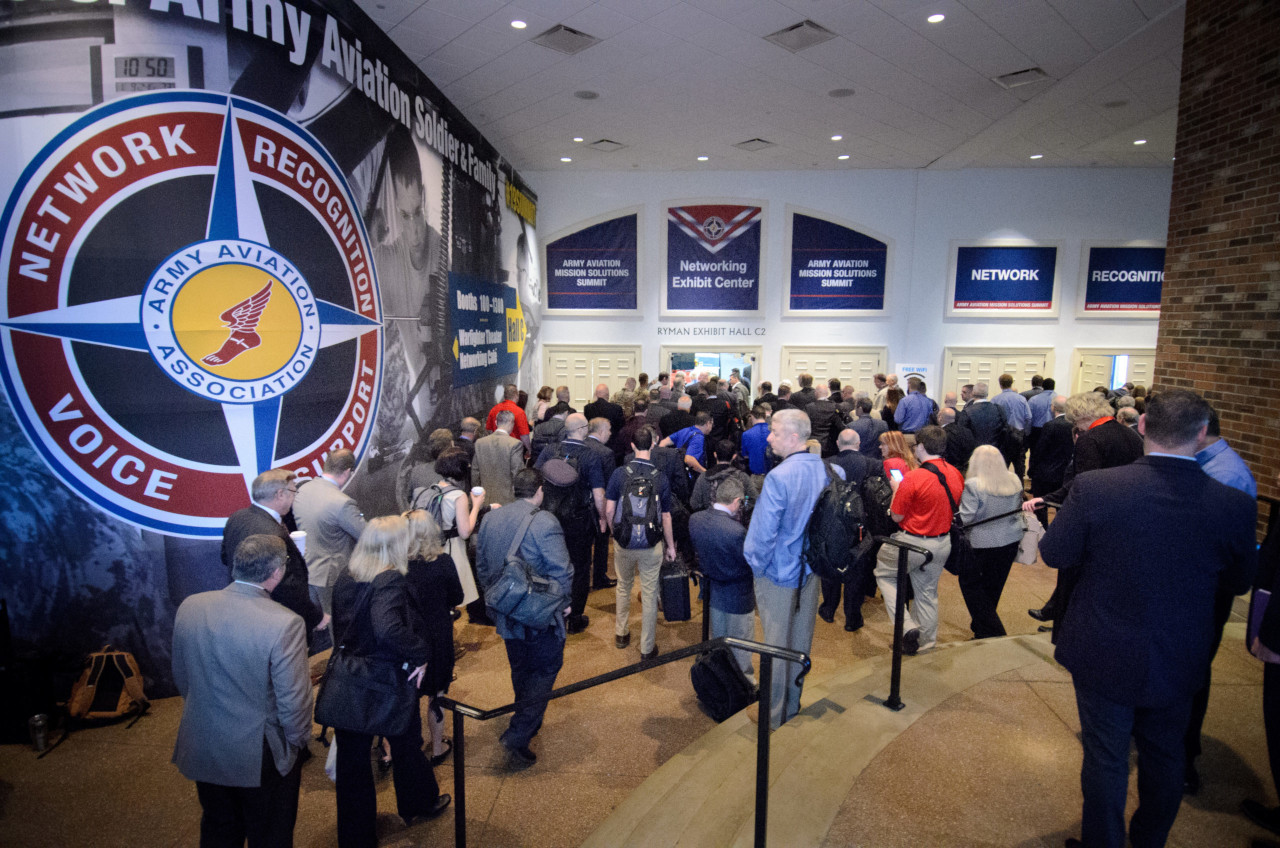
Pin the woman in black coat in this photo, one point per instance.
(434, 591)
(372, 617)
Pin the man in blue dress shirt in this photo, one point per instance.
(786, 589)
(1018, 413)
(913, 410)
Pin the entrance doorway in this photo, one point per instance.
(583, 367)
(964, 365)
(718, 360)
(853, 365)
(1112, 367)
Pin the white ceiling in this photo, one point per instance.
(682, 78)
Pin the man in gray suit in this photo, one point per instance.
(535, 655)
(499, 457)
(240, 664)
(333, 523)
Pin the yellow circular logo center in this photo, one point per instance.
(237, 321)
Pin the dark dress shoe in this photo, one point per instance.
(444, 755)
(1039, 614)
(1261, 815)
(621, 642)
(849, 627)
(911, 642)
(829, 616)
(520, 758)
(442, 803)
(606, 583)
(577, 623)
(649, 657)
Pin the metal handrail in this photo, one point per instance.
(767, 654)
(894, 701)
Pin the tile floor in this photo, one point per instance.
(995, 765)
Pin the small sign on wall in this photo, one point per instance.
(713, 259)
(1121, 281)
(595, 267)
(1000, 280)
(835, 269)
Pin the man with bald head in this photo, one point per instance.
(602, 407)
(857, 468)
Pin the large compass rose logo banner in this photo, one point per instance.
(713, 258)
(190, 301)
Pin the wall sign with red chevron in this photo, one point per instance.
(713, 258)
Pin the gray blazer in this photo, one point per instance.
(240, 664)
(499, 457)
(333, 523)
(976, 505)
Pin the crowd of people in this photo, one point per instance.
(697, 472)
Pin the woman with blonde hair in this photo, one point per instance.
(897, 455)
(435, 592)
(991, 489)
(372, 618)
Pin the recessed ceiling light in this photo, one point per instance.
(837, 138)
(518, 24)
(1037, 155)
(1140, 141)
(703, 158)
(565, 159)
(936, 19)
(578, 138)
(843, 156)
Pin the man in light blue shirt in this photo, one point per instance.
(1221, 462)
(913, 410)
(1041, 404)
(1018, 413)
(786, 589)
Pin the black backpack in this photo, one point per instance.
(432, 500)
(720, 684)
(877, 498)
(572, 503)
(724, 472)
(545, 433)
(836, 538)
(637, 521)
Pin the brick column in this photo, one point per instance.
(1220, 313)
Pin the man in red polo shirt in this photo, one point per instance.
(923, 511)
(520, 429)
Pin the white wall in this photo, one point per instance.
(920, 212)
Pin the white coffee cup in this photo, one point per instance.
(477, 492)
(300, 539)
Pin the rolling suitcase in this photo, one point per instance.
(673, 584)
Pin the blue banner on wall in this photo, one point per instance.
(1005, 278)
(1124, 279)
(713, 258)
(834, 267)
(481, 349)
(594, 268)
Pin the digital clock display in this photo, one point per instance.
(145, 67)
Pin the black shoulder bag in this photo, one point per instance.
(365, 694)
(961, 556)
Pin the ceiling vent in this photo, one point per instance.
(606, 145)
(1023, 77)
(753, 145)
(800, 36)
(566, 40)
